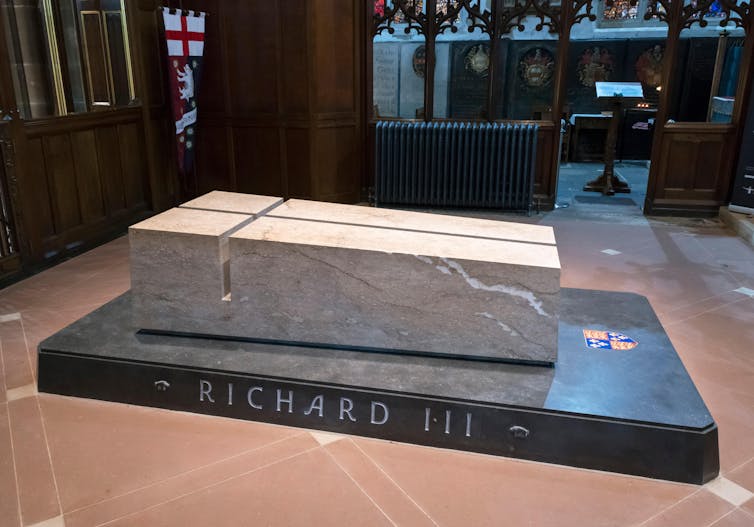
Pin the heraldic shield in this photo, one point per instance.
(608, 340)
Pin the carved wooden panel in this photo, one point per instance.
(87, 176)
(695, 168)
(336, 171)
(294, 59)
(545, 176)
(257, 160)
(298, 152)
(40, 224)
(108, 150)
(334, 46)
(276, 72)
(214, 153)
(83, 177)
(252, 31)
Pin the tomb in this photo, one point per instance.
(389, 324)
(396, 282)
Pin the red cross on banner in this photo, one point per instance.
(184, 36)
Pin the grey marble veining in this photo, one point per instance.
(180, 259)
(361, 283)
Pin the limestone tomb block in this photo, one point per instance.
(180, 261)
(401, 290)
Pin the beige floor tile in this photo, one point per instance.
(748, 507)
(735, 518)
(9, 504)
(16, 357)
(702, 509)
(142, 466)
(100, 450)
(309, 489)
(191, 481)
(453, 487)
(729, 490)
(743, 475)
(393, 500)
(37, 487)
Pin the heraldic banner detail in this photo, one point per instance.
(184, 33)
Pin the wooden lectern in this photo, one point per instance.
(616, 94)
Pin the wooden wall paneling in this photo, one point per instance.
(695, 168)
(61, 173)
(252, 65)
(293, 59)
(35, 196)
(257, 159)
(144, 24)
(88, 176)
(545, 178)
(669, 83)
(337, 171)
(337, 147)
(297, 161)
(364, 88)
(147, 54)
(108, 149)
(213, 158)
(334, 54)
(132, 164)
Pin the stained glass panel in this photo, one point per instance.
(414, 7)
(620, 9)
(379, 7)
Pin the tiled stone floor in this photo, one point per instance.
(76, 462)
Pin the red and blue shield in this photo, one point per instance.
(608, 340)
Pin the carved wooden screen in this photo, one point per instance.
(470, 39)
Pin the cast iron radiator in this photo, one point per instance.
(451, 164)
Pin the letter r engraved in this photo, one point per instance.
(346, 405)
(250, 397)
(205, 388)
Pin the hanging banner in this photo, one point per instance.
(742, 198)
(184, 34)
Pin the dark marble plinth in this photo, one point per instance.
(632, 411)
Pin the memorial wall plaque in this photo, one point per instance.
(442, 79)
(644, 63)
(470, 67)
(411, 98)
(531, 75)
(591, 62)
(386, 68)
